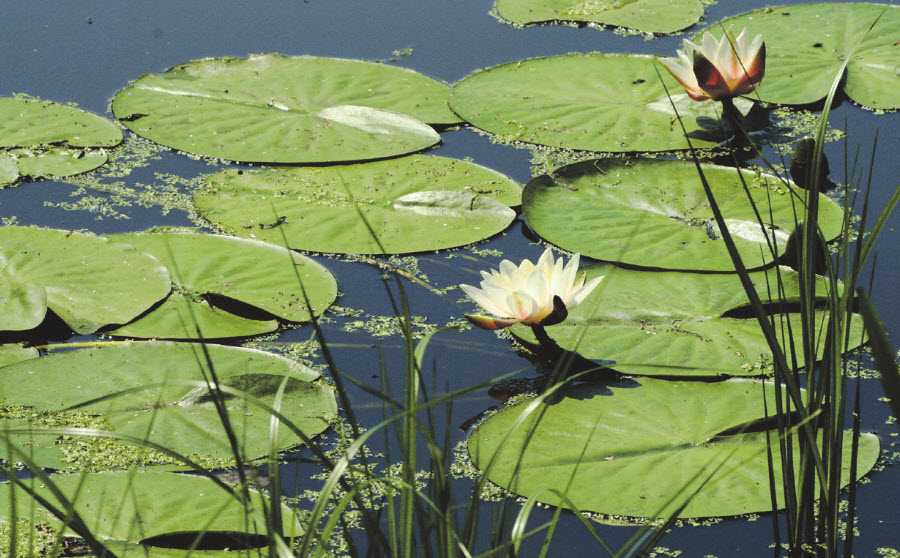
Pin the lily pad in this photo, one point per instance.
(86, 280)
(711, 347)
(54, 162)
(629, 447)
(42, 138)
(806, 45)
(191, 316)
(659, 323)
(651, 16)
(161, 406)
(278, 109)
(412, 204)
(130, 507)
(592, 102)
(11, 353)
(265, 276)
(654, 213)
(637, 296)
(9, 169)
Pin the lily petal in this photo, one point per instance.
(483, 299)
(586, 290)
(710, 78)
(487, 322)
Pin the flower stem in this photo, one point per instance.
(549, 348)
(736, 120)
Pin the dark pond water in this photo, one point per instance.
(84, 52)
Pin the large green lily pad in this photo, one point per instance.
(278, 109)
(637, 447)
(169, 411)
(712, 347)
(592, 102)
(654, 213)
(11, 353)
(660, 323)
(86, 280)
(130, 507)
(637, 296)
(412, 204)
(265, 276)
(42, 138)
(651, 16)
(806, 45)
(33, 122)
(187, 315)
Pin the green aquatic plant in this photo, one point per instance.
(649, 16)
(269, 108)
(812, 446)
(41, 139)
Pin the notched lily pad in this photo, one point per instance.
(412, 204)
(167, 400)
(666, 323)
(654, 213)
(45, 139)
(144, 506)
(189, 315)
(86, 280)
(806, 45)
(33, 122)
(277, 109)
(212, 270)
(28, 164)
(710, 347)
(650, 16)
(11, 353)
(633, 447)
(591, 102)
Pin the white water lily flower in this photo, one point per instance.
(719, 69)
(526, 293)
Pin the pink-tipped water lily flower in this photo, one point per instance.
(719, 69)
(534, 294)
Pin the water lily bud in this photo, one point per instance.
(801, 166)
(719, 69)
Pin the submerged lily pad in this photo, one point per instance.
(651, 16)
(633, 445)
(161, 406)
(42, 138)
(806, 45)
(278, 109)
(265, 276)
(412, 204)
(654, 213)
(86, 280)
(142, 506)
(592, 102)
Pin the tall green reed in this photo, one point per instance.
(811, 403)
